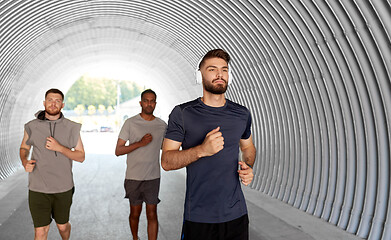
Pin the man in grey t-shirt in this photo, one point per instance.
(145, 134)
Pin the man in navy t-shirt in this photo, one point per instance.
(210, 130)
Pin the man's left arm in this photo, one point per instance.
(76, 154)
(248, 158)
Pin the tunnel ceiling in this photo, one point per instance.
(315, 75)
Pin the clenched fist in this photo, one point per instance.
(29, 167)
(213, 142)
(245, 173)
(147, 138)
(52, 144)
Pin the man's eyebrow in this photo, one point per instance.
(212, 66)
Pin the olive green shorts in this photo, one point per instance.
(44, 207)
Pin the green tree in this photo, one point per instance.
(99, 91)
(129, 90)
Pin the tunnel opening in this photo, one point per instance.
(103, 116)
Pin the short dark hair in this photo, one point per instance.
(215, 53)
(54, 90)
(147, 91)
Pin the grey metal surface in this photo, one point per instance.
(315, 75)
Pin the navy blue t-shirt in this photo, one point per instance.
(213, 190)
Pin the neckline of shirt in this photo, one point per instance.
(210, 107)
(146, 120)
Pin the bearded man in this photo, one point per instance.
(56, 144)
(205, 135)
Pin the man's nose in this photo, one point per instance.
(220, 73)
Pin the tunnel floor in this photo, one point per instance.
(99, 210)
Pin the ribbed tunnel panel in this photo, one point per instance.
(314, 74)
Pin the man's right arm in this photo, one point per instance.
(24, 152)
(121, 149)
(173, 158)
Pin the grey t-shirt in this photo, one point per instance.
(143, 163)
(53, 170)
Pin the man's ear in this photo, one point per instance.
(63, 105)
(44, 103)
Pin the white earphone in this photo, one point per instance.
(198, 74)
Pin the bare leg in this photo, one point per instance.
(134, 218)
(153, 225)
(41, 233)
(65, 230)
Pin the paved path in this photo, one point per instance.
(99, 210)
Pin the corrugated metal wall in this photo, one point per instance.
(315, 74)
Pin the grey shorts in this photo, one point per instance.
(142, 191)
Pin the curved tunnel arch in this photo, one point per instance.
(314, 74)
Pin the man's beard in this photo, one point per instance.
(52, 112)
(215, 89)
(148, 110)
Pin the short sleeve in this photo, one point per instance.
(124, 134)
(247, 132)
(175, 129)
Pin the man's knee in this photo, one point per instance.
(41, 232)
(64, 227)
(135, 211)
(151, 214)
(134, 215)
